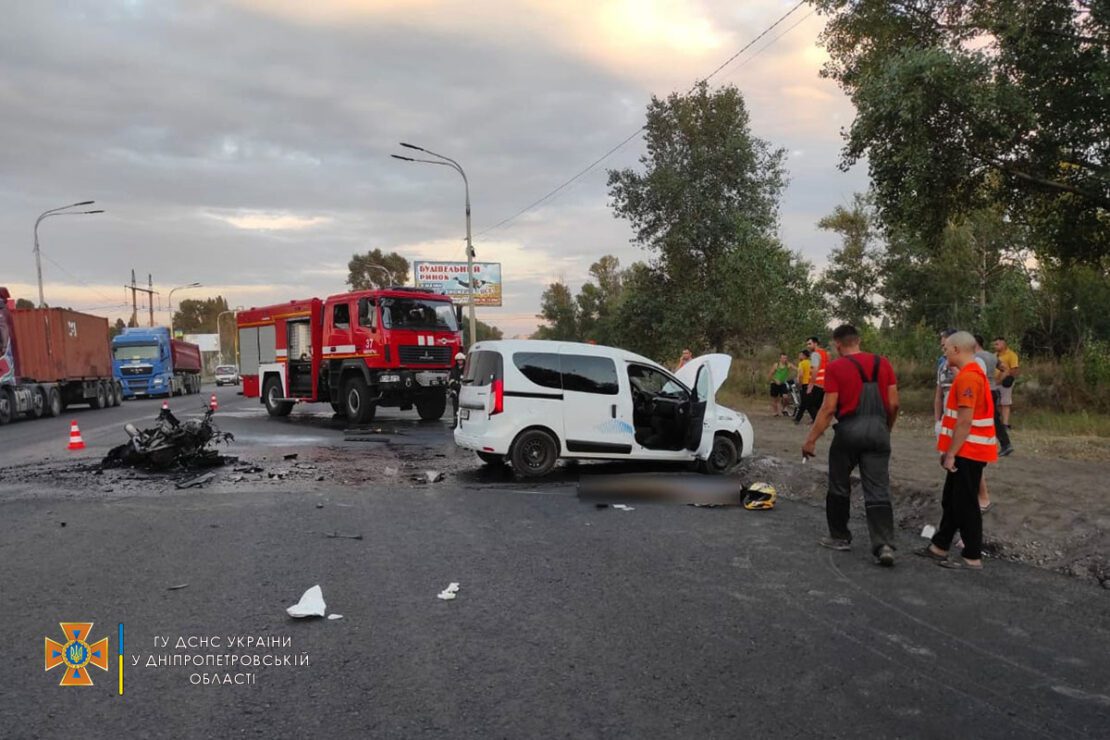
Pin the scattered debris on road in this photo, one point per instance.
(448, 593)
(249, 469)
(332, 617)
(429, 476)
(311, 604)
(338, 536)
(290, 456)
(624, 507)
(178, 587)
(170, 444)
(928, 531)
(196, 482)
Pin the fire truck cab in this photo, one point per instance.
(357, 351)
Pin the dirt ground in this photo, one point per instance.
(1050, 507)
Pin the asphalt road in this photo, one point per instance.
(570, 621)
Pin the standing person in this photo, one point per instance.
(945, 376)
(861, 392)
(685, 357)
(780, 373)
(804, 373)
(454, 385)
(1008, 370)
(815, 389)
(966, 445)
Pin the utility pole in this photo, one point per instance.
(135, 290)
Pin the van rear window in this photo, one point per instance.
(482, 368)
(542, 368)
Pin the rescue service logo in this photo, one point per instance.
(76, 654)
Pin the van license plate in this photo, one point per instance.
(464, 414)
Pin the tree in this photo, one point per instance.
(849, 282)
(596, 302)
(116, 329)
(559, 312)
(377, 270)
(485, 331)
(961, 105)
(198, 316)
(706, 208)
(23, 303)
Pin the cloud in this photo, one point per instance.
(260, 221)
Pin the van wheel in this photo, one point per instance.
(431, 407)
(356, 401)
(534, 453)
(100, 400)
(491, 459)
(7, 406)
(271, 393)
(723, 457)
(53, 401)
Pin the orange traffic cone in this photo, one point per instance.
(75, 441)
(213, 404)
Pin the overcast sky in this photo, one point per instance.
(245, 144)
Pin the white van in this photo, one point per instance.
(531, 402)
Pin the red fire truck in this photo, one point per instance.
(356, 351)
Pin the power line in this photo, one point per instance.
(74, 277)
(640, 130)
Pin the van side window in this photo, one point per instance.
(367, 314)
(341, 316)
(588, 374)
(542, 368)
(482, 368)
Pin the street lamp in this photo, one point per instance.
(219, 334)
(448, 162)
(170, 302)
(62, 211)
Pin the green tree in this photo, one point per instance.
(597, 300)
(116, 329)
(376, 270)
(485, 331)
(559, 313)
(849, 282)
(23, 303)
(961, 105)
(705, 207)
(198, 316)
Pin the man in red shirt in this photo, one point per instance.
(861, 393)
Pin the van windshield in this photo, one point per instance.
(414, 313)
(135, 352)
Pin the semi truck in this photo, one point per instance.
(391, 347)
(150, 362)
(51, 358)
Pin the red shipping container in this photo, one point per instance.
(56, 344)
(186, 356)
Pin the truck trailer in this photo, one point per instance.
(149, 362)
(356, 351)
(51, 358)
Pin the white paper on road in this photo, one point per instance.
(928, 531)
(624, 507)
(311, 604)
(448, 593)
(335, 616)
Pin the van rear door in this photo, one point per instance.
(482, 382)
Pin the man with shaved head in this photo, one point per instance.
(966, 444)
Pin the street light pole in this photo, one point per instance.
(448, 162)
(170, 302)
(62, 211)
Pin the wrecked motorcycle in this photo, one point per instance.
(169, 444)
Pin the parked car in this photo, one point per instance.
(531, 402)
(227, 374)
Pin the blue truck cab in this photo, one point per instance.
(148, 362)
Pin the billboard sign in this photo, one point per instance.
(449, 278)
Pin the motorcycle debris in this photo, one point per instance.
(196, 482)
(290, 456)
(178, 587)
(449, 593)
(311, 604)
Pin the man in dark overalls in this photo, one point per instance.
(454, 384)
(861, 393)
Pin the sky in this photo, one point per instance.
(245, 144)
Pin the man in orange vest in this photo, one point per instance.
(966, 444)
(818, 364)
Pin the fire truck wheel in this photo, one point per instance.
(431, 407)
(356, 400)
(271, 393)
(338, 408)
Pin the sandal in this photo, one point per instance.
(925, 552)
(959, 565)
